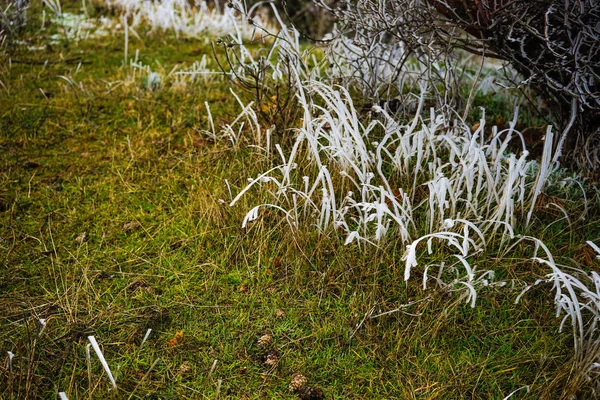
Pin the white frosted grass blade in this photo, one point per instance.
(525, 290)
(545, 165)
(145, 337)
(210, 119)
(566, 131)
(102, 360)
(63, 396)
(126, 31)
(252, 183)
(250, 216)
(88, 359)
(11, 355)
(410, 256)
(228, 190)
(219, 383)
(213, 367)
(515, 391)
(471, 294)
(595, 247)
(43, 324)
(351, 237)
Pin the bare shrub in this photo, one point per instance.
(13, 17)
(306, 16)
(553, 44)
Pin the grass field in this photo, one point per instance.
(114, 221)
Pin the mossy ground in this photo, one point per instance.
(111, 224)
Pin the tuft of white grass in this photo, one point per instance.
(367, 171)
(157, 78)
(54, 6)
(185, 19)
(577, 300)
(75, 27)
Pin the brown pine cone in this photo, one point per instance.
(298, 382)
(272, 358)
(311, 393)
(265, 340)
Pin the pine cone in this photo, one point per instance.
(298, 382)
(265, 340)
(184, 368)
(272, 358)
(311, 393)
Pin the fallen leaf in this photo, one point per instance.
(177, 339)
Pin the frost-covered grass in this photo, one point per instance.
(358, 240)
(431, 180)
(183, 18)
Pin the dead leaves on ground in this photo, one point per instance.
(177, 339)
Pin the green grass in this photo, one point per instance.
(111, 224)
